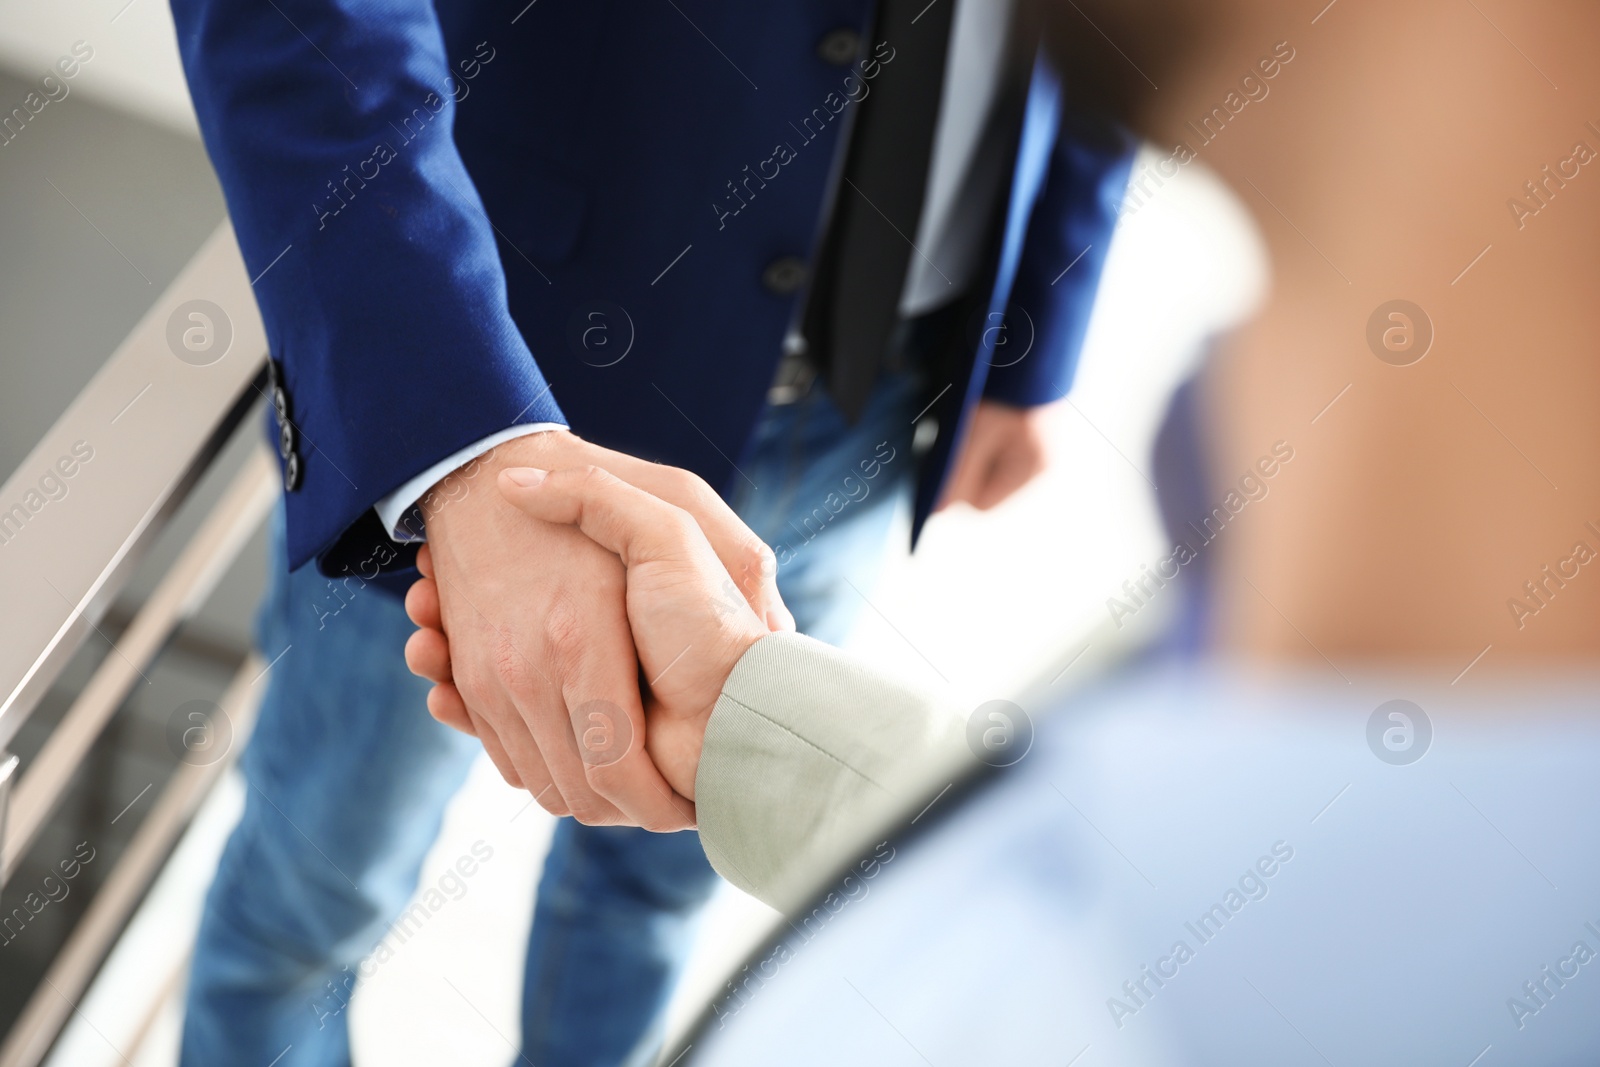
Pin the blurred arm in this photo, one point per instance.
(807, 753)
(1069, 234)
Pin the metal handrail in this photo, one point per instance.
(8, 769)
(87, 501)
(181, 591)
(30, 1038)
(74, 519)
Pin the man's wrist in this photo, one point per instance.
(677, 746)
(405, 512)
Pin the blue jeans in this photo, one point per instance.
(349, 777)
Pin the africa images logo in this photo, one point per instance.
(1399, 732)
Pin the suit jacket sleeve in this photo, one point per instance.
(1063, 258)
(330, 125)
(808, 753)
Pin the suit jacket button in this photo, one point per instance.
(784, 276)
(280, 403)
(285, 438)
(291, 472)
(839, 47)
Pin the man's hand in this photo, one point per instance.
(1004, 451)
(540, 654)
(688, 639)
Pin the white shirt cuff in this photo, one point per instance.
(395, 510)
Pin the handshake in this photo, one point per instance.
(579, 612)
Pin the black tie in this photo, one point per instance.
(854, 305)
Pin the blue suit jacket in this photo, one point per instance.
(455, 193)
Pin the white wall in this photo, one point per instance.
(135, 66)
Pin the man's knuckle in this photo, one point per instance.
(762, 561)
(563, 632)
(692, 491)
(591, 476)
(683, 482)
(510, 667)
(756, 566)
(679, 524)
